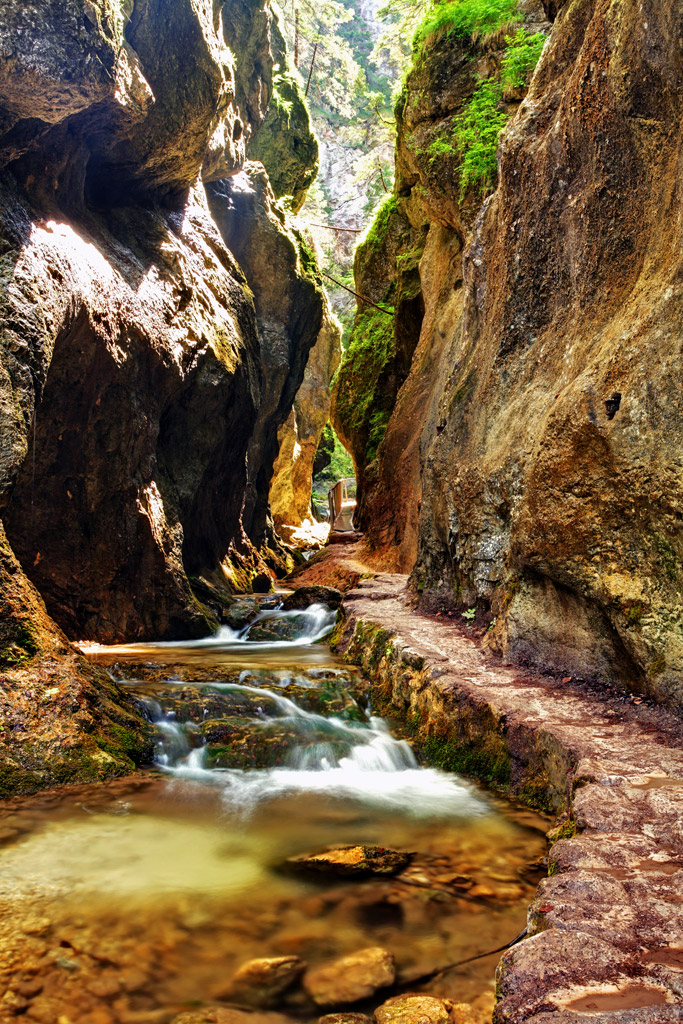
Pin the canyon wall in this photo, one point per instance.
(157, 314)
(531, 466)
(158, 311)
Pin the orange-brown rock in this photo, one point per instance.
(539, 429)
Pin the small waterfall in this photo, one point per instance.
(286, 748)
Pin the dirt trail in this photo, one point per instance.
(607, 926)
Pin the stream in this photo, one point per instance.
(132, 901)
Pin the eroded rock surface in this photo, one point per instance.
(538, 429)
(144, 372)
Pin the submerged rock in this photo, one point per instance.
(345, 1018)
(351, 978)
(352, 861)
(260, 982)
(276, 628)
(414, 1009)
(226, 1015)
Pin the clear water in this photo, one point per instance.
(133, 900)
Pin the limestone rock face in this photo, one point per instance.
(144, 373)
(539, 428)
(381, 347)
(285, 143)
(140, 372)
(299, 436)
(552, 490)
(289, 307)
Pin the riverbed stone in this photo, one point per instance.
(353, 861)
(414, 1009)
(260, 982)
(228, 1015)
(275, 629)
(351, 978)
(345, 1018)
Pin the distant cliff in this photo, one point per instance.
(527, 458)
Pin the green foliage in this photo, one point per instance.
(439, 148)
(521, 57)
(465, 18)
(476, 135)
(470, 614)
(340, 465)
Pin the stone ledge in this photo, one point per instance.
(606, 927)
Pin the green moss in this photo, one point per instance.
(667, 557)
(19, 643)
(567, 830)
(634, 613)
(378, 425)
(377, 231)
(657, 666)
(489, 761)
(359, 401)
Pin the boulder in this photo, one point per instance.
(414, 1009)
(353, 861)
(275, 629)
(351, 978)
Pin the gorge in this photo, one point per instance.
(258, 769)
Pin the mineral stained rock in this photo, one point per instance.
(260, 982)
(531, 462)
(352, 861)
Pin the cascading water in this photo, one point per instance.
(139, 897)
(351, 755)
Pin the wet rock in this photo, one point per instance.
(238, 745)
(224, 1015)
(306, 596)
(351, 978)
(413, 1009)
(352, 861)
(275, 629)
(242, 612)
(260, 982)
(345, 1018)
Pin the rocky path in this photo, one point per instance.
(606, 927)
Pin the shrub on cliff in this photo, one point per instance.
(466, 18)
(521, 57)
